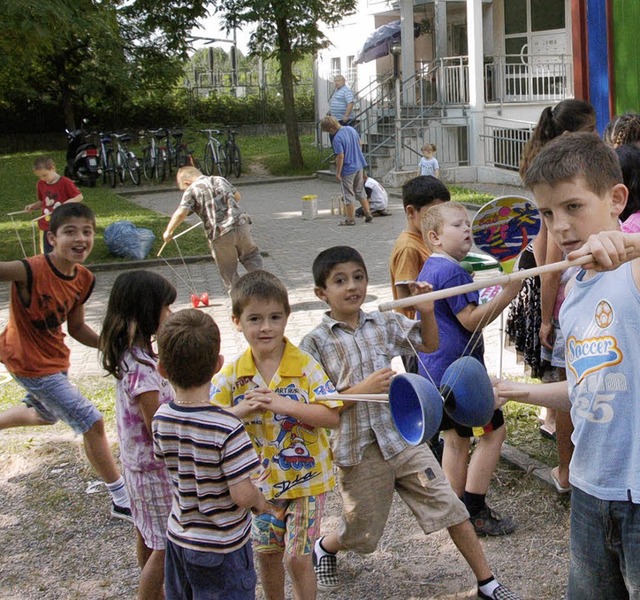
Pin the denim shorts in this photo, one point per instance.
(55, 398)
(605, 544)
(209, 575)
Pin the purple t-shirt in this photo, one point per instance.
(443, 272)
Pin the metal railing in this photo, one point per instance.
(444, 81)
(504, 140)
(526, 78)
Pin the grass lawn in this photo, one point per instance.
(269, 153)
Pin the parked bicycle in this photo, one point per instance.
(234, 157)
(104, 149)
(215, 157)
(154, 156)
(124, 162)
(178, 152)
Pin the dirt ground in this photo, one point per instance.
(59, 542)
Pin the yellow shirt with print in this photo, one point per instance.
(296, 458)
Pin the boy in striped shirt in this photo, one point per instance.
(210, 460)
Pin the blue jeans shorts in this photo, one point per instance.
(605, 545)
(195, 575)
(55, 398)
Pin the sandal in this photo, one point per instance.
(347, 222)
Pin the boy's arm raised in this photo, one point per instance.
(609, 250)
(79, 330)
(13, 270)
(475, 316)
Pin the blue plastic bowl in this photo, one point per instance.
(467, 392)
(416, 407)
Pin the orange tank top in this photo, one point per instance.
(33, 345)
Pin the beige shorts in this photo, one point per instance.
(367, 492)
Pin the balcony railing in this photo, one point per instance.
(526, 78)
(504, 140)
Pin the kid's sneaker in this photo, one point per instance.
(325, 565)
(500, 593)
(121, 512)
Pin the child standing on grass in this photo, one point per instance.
(273, 388)
(48, 290)
(210, 461)
(139, 302)
(52, 190)
(355, 348)
(447, 233)
(428, 164)
(577, 184)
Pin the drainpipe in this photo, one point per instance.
(396, 51)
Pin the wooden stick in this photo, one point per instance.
(38, 218)
(17, 212)
(478, 285)
(355, 397)
(175, 237)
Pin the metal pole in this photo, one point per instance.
(398, 122)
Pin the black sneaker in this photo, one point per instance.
(500, 593)
(489, 522)
(326, 568)
(121, 512)
(368, 218)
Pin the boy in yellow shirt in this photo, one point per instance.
(273, 388)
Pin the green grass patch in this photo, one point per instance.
(19, 187)
(461, 194)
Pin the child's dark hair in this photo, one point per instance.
(258, 285)
(44, 162)
(576, 155)
(621, 130)
(569, 115)
(423, 190)
(136, 302)
(70, 210)
(629, 157)
(189, 347)
(328, 259)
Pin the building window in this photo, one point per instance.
(335, 67)
(352, 72)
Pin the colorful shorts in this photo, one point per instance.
(294, 528)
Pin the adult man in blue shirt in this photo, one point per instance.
(341, 102)
(350, 164)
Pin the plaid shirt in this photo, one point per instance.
(212, 199)
(348, 356)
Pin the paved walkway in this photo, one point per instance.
(289, 244)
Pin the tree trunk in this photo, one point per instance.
(288, 98)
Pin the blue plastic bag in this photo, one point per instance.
(125, 240)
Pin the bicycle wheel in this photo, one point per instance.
(209, 159)
(181, 156)
(134, 168)
(147, 164)
(236, 161)
(221, 162)
(111, 169)
(121, 165)
(169, 161)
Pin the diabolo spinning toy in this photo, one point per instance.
(197, 299)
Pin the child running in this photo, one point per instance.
(138, 304)
(273, 388)
(52, 190)
(577, 183)
(447, 233)
(48, 290)
(355, 348)
(210, 461)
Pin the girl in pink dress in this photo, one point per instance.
(138, 304)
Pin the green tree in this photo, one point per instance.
(286, 30)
